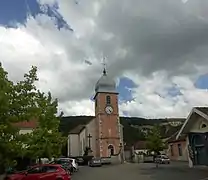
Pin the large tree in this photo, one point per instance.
(22, 101)
(154, 140)
(46, 140)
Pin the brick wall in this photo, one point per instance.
(177, 151)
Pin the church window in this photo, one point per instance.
(108, 99)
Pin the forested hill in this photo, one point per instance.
(132, 126)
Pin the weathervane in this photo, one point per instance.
(104, 65)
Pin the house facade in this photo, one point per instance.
(177, 149)
(196, 129)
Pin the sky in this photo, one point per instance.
(156, 51)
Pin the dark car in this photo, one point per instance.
(80, 160)
(95, 162)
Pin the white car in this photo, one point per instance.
(73, 162)
(162, 159)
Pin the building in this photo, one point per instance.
(196, 130)
(81, 137)
(26, 126)
(103, 133)
(177, 150)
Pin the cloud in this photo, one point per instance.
(160, 46)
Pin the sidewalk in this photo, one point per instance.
(2, 176)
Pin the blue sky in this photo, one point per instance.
(17, 11)
(12, 11)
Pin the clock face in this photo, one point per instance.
(109, 110)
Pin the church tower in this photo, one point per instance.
(108, 137)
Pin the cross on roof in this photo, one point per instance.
(104, 65)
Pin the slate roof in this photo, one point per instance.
(77, 130)
(68, 123)
(203, 109)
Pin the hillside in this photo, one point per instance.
(134, 127)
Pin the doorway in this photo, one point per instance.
(110, 150)
(200, 152)
(201, 155)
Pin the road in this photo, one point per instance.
(141, 172)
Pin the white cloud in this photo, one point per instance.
(124, 34)
(152, 98)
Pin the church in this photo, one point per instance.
(103, 133)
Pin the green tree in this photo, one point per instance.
(154, 140)
(22, 101)
(46, 140)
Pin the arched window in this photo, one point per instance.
(108, 99)
(111, 150)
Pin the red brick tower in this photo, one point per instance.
(107, 117)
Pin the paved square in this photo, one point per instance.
(141, 172)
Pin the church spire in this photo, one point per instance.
(104, 71)
(104, 67)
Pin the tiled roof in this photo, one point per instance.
(140, 145)
(77, 130)
(27, 124)
(203, 109)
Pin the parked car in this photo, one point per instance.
(95, 162)
(43, 172)
(73, 162)
(79, 160)
(162, 159)
(106, 160)
(148, 159)
(67, 165)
